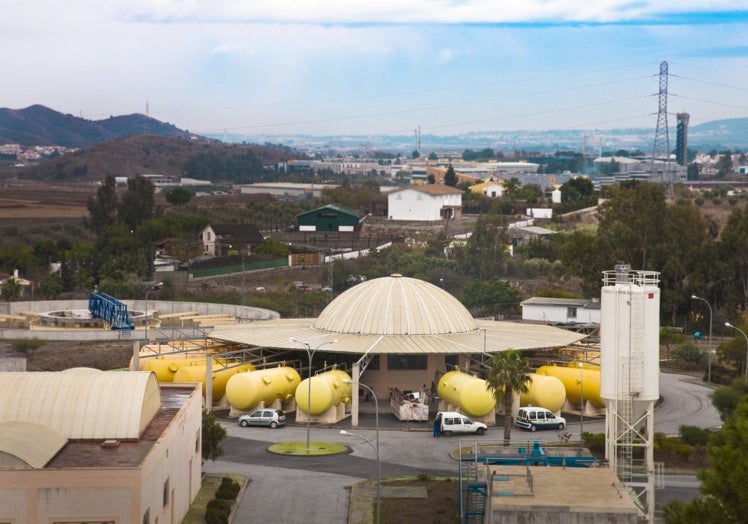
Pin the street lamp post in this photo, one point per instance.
(581, 397)
(379, 470)
(745, 368)
(709, 354)
(310, 354)
(154, 287)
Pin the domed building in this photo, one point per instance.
(408, 332)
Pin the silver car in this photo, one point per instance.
(263, 417)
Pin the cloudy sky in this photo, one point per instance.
(377, 67)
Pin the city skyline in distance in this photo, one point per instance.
(384, 68)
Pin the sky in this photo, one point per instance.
(349, 67)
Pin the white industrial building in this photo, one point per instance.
(98, 446)
(561, 310)
(425, 202)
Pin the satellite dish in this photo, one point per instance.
(552, 180)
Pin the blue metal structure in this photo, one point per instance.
(114, 312)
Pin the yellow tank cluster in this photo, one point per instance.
(544, 391)
(328, 389)
(246, 390)
(222, 371)
(572, 377)
(467, 392)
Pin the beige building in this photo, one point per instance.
(89, 446)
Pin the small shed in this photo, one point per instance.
(564, 310)
(328, 218)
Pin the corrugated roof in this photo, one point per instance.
(397, 315)
(32, 444)
(82, 405)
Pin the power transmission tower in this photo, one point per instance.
(661, 147)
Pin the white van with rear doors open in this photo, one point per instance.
(533, 418)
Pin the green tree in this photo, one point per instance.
(508, 372)
(11, 289)
(213, 435)
(511, 188)
(178, 196)
(137, 203)
(51, 286)
(732, 247)
(489, 297)
(102, 208)
(485, 251)
(724, 164)
(670, 337)
(450, 178)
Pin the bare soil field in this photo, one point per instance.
(22, 200)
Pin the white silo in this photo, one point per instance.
(629, 375)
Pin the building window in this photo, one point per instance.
(571, 312)
(198, 433)
(406, 362)
(166, 492)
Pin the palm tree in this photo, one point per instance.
(508, 372)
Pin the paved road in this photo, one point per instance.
(309, 490)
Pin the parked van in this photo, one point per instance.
(538, 418)
(453, 422)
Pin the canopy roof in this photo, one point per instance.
(396, 315)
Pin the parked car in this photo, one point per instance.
(534, 418)
(453, 422)
(263, 417)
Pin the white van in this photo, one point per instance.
(533, 418)
(453, 422)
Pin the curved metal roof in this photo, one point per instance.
(82, 405)
(33, 445)
(396, 315)
(395, 305)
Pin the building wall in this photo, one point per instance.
(549, 313)
(415, 205)
(117, 494)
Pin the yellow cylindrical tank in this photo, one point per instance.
(166, 367)
(573, 377)
(220, 376)
(544, 391)
(150, 356)
(246, 390)
(467, 392)
(328, 389)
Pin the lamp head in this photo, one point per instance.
(728, 324)
(343, 432)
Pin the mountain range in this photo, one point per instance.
(39, 125)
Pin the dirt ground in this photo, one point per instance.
(58, 356)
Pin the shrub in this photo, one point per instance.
(217, 512)
(595, 442)
(694, 436)
(26, 345)
(228, 490)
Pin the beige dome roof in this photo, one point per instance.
(396, 305)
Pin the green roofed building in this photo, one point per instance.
(328, 218)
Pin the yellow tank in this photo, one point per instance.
(150, 356)
(572, 378)
(467, 392)
(246, 390)
(545, 391)
(221, 375)
(327, 390)
(166, 367)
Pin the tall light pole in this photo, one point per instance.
(379, 470)
(745, 369)
(154, 287)
(709, 355)
(581, 397)
(310, 354)
(376, 424)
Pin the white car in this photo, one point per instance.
(453, 422)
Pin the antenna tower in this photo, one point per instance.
(661, 147)
(418, 139)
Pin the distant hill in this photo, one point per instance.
(149, 154)
(38, 125)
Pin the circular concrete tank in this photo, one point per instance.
(544, 391)
(327, 390)
(467, 392)
(245, 391)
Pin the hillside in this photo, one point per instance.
(143, 154)
(38, 125)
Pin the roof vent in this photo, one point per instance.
(110, 444)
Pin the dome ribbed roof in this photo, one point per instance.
(396, 305)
